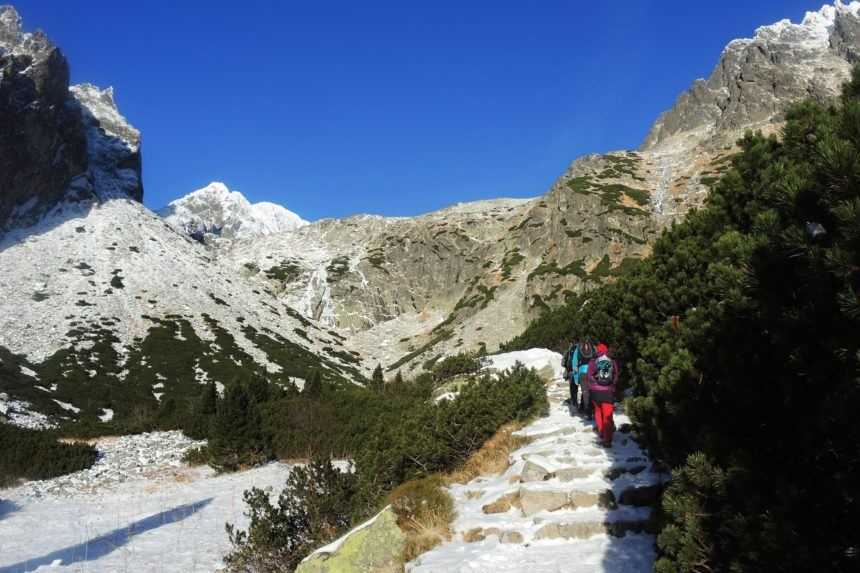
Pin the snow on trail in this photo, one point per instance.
(565, 503)
(170, 523)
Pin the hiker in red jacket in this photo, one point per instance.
(602, 377)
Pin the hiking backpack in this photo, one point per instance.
(586, 352)
(605, 371)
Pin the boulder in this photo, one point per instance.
(535, 501)
(503, 504)
(375, 546)
(511, 537)
(581, 530)
(615, 473)
(584, 498)
(533, 471)
(572, 473)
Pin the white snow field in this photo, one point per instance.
(558, 477)
(171, 521)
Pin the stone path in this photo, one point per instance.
(565, 504)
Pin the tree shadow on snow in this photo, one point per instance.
(631, 542)
(102, 545)
(7, 507)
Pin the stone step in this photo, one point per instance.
(533, 501)
(504, 535)
(586, 529)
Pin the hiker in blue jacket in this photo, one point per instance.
(576, 369)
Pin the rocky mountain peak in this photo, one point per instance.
(216, 212)
(757, 78)
(58, 145)
(10, 27)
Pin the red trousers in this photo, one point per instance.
(603, 417)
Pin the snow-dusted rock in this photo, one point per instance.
(216, 212)
(546, 362)
(121, 459)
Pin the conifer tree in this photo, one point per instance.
(208, 400)
(313, 385)
(258, 389)
(237, 437)
(377, 381)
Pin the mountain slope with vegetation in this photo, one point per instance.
(740, 337)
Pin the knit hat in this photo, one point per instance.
(602, 349)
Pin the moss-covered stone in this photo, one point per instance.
(373, 547)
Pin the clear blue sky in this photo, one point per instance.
(395, 107)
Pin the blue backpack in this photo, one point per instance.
(605, 371)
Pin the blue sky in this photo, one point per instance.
(395, 107)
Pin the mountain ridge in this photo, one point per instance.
(345, 294)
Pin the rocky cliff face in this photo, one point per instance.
(56, 144)
(406, 291)
(757, 78)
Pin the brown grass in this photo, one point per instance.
(492, 458)
(425, 513)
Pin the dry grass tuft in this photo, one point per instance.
(492, 458)
(425, 512)
(424, 509)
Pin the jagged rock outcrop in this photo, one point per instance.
(757, 78)
(214, 212)
(56, 143)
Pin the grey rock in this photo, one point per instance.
(579, 530)
(535, 501)
(534, 472)
(572, 473)
(756, 79)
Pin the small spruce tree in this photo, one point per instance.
(377, 381)
(313, 385)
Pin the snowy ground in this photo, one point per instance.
(172, 520)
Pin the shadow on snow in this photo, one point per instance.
(7, 507)
(102, 545)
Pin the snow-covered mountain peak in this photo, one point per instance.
(217, 212)
(10, 27)
(813, 31)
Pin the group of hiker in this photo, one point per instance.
(593, 373)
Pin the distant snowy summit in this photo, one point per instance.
(215, 212)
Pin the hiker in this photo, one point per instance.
(565, 364)
(581, 356)
(602, 377)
